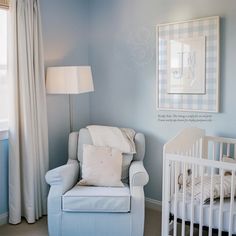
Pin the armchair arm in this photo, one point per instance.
(138, 176)
(64, 176)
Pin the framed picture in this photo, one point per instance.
(188, 65)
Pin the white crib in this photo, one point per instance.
(192, 150)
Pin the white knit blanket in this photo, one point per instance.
(121, 139)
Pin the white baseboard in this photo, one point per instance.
(4, 218)
(153, 204)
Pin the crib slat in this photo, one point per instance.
(214, 151)
(197, 149)
(172, 179)
(205, 147)
(214, 145)
(197, 155)
(192, 201)
(184, 199)
(221, 202)
(175, 201)
(211, 203)
(228, 149)
(200, 148)
(166, 196)
(234, 151)
(221, 151)
(201, 203)
(231, 202)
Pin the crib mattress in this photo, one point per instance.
(206, 212)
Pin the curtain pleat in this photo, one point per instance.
(4, 4)
(28, 137)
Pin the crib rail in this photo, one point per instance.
(193, 172)
(184, 141)
(220, 146)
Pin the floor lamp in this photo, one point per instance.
(69, 80)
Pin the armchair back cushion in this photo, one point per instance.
(85, 138)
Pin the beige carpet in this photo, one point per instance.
(25, 229)
(152, 226)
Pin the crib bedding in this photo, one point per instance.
(206, 212)
(216, 183)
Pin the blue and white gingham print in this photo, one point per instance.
(200, 102)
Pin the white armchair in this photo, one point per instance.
(95, 211)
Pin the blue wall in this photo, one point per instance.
(122, 54)
(3, 176)
(118, 39)
(65, 34)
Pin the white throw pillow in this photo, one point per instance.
(101, 166)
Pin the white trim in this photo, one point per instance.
(186, 21)
(4, 218)
(153, 204)
(3, 134)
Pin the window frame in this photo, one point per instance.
(3, 135)
(4, 123)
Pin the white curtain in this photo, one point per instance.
(28, 137)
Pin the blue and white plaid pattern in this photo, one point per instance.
(200, 102)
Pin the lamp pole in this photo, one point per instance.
(70, 114)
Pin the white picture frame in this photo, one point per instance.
(196, 86)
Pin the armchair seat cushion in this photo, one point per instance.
(96, 199)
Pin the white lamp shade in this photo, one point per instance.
(69, 80)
